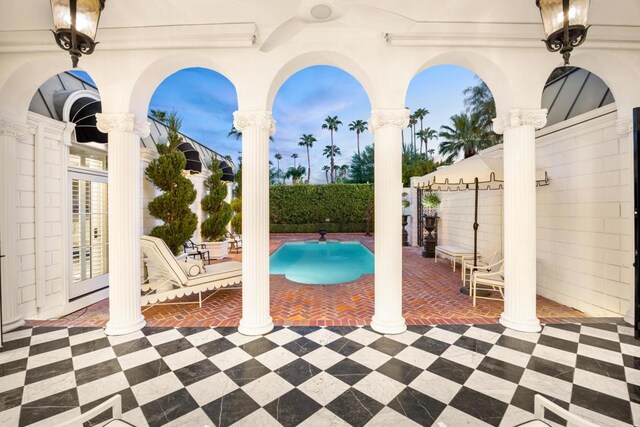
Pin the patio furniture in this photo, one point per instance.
(468, 266)
(235, 241)
(541, 403)
(454, 253)
(114, 404)
(489, 278)
(169, 279)
(197, 251)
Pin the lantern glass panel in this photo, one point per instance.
(61, 14)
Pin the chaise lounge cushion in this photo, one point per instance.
(191, 270)
(223, 270)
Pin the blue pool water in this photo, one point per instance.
(327, 263)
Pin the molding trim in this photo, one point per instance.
(122, 122)
(624, 126)
(19, 131)
(520, 117)
(388, 118)
(243, 120)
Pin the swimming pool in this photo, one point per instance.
(327, 263)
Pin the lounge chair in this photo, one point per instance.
(455, 253)
(540, 404)
(114, 404)
(168, 279)
(488, 278)
(196, 251)
(235, 241)
(467, 266)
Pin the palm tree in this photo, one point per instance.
(332, 123)
(344, 171)
(358, 126)
(326, 170)
(294, 156)
(420, 113)
(296, 173)
(235, 133)
(425, 135)
(466, 133)
(412, 124)
(431, 151)
(478, 99)
(330, 152)
(159, 115)
(278, 157)
(307, 140)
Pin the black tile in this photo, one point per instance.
(516, 344)
(388, 346)
(13, 367)
(458, 329)
(303, 330)
(298, 371)
(97, 371)
(634, 392)
(400, 371)
(257, 347)
(601, 367)
(226, 330)
(153, 330)
(168, 408)
(39, 330)
(602, 403)
(49, 406)
(77, 330)
(571, 327)
(10, 398)
(344, 346)
(354, 407)
(131, 346)
(553, 369)
(432, 346)
(480, 406)
(600, 343)
(349, 371)
(450, 370)
(524, 397)
(419, 329)
(14, 344)
(230, 408)
(473, 344)
(631, 361)
(128, 400)
(89, 346)
(48, 346)
(419, 407)
(301, 346)
(216, 347)
(611, 327)
(146, 371)
(172, 347)
(559, 343)
(501, 369)
(341, 330)
(246, 372)
(629, 339)
(196, 372)
(192, 330)
(48, 371)
(292, 408)
(497, 328)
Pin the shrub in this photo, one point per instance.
(219, 213)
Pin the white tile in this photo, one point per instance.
(283, 336)
(555, 355)
(194, 418)
(515, 416)
(49, 336)
(436, 386)
(164, 337)
(238, 339)
(211, 388)
(276, 358)
(10, 417)
(267, 388)
(324, 418)
(463, 356)
(491, 386)
(119, 339)
(363, 336)
(600, 353)
(627, 330)
(323, 336)
(561, 333)
(629, 349)
(230, 358)
(48, 387)
(93, 358)
(203, 337)
(87, 336)
(323, 388)
(13, 355)
(389, 417)
(135, 417)
(23, 333)
(442, 335)
(380, 387)
(546, 384)
(595, 417)
(451, 417)
(416, 357)
(482, 335)
(514, 357)
(97, 389)
(49, 357)
(407, 337)
(599, 333)
(370, 358)
(138, 358)
(156, 388)
(57, 419)
(183, 358)
(601, 383)
(323, 358)
(635, 413)
(9, 382)
(259, 418)
(632, 375)
(525, 336)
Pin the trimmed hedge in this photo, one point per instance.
(306, 208)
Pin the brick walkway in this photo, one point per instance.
(430, 296)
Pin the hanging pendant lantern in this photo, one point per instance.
(565, 24)
(76, 25)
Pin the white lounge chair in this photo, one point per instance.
(488, 278)
(167, 279)
(467, 266)
(114, 403)
(541, 403)
(455, 253)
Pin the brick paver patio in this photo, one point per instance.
(430, 296)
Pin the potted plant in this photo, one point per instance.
(219, 213)
(405, 218)
(431, 201)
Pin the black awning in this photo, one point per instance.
(194, 164)
(227, 171)
(83, 114)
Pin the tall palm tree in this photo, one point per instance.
(330, 152)
(425, 135)
(278, 157)
(159, 115)
(478, 99)
(344, 171)
(420, 114)
(326, 170)
(431, 151)
(294, 156)
(307, 140)
(235, 133)
(332, 123)
(295, 173)
(412, 123)
(466, 134)
(358, 126)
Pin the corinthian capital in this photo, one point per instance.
(520, 117)
(624, 126)
(11, 128)
(258, 119)
(122, 122)
(383, 118)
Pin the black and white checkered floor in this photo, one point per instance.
(311, 376)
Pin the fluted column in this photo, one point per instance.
(624, 128)
(10, 134)
(125, 192)
(387, 125)
(519, 217)
(256, 127)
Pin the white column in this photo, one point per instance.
(228, 199)
(10, 134)
(125, 203)
(387, 125)
(256, 127)
(196, 207)
(519, 217)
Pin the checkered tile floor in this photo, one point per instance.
(313, 376)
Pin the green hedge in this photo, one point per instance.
(305, 208)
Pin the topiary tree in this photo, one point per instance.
(236, 203)
(172, 207)
(219, 212)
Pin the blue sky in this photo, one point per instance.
(206, 101)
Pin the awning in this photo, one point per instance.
(227, 171)
(194, 164)
(83, 114)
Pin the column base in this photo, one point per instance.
(124, 328)
(246, 328)
(388, 327)
(13, 324)
(532, 325)
(629, 317)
